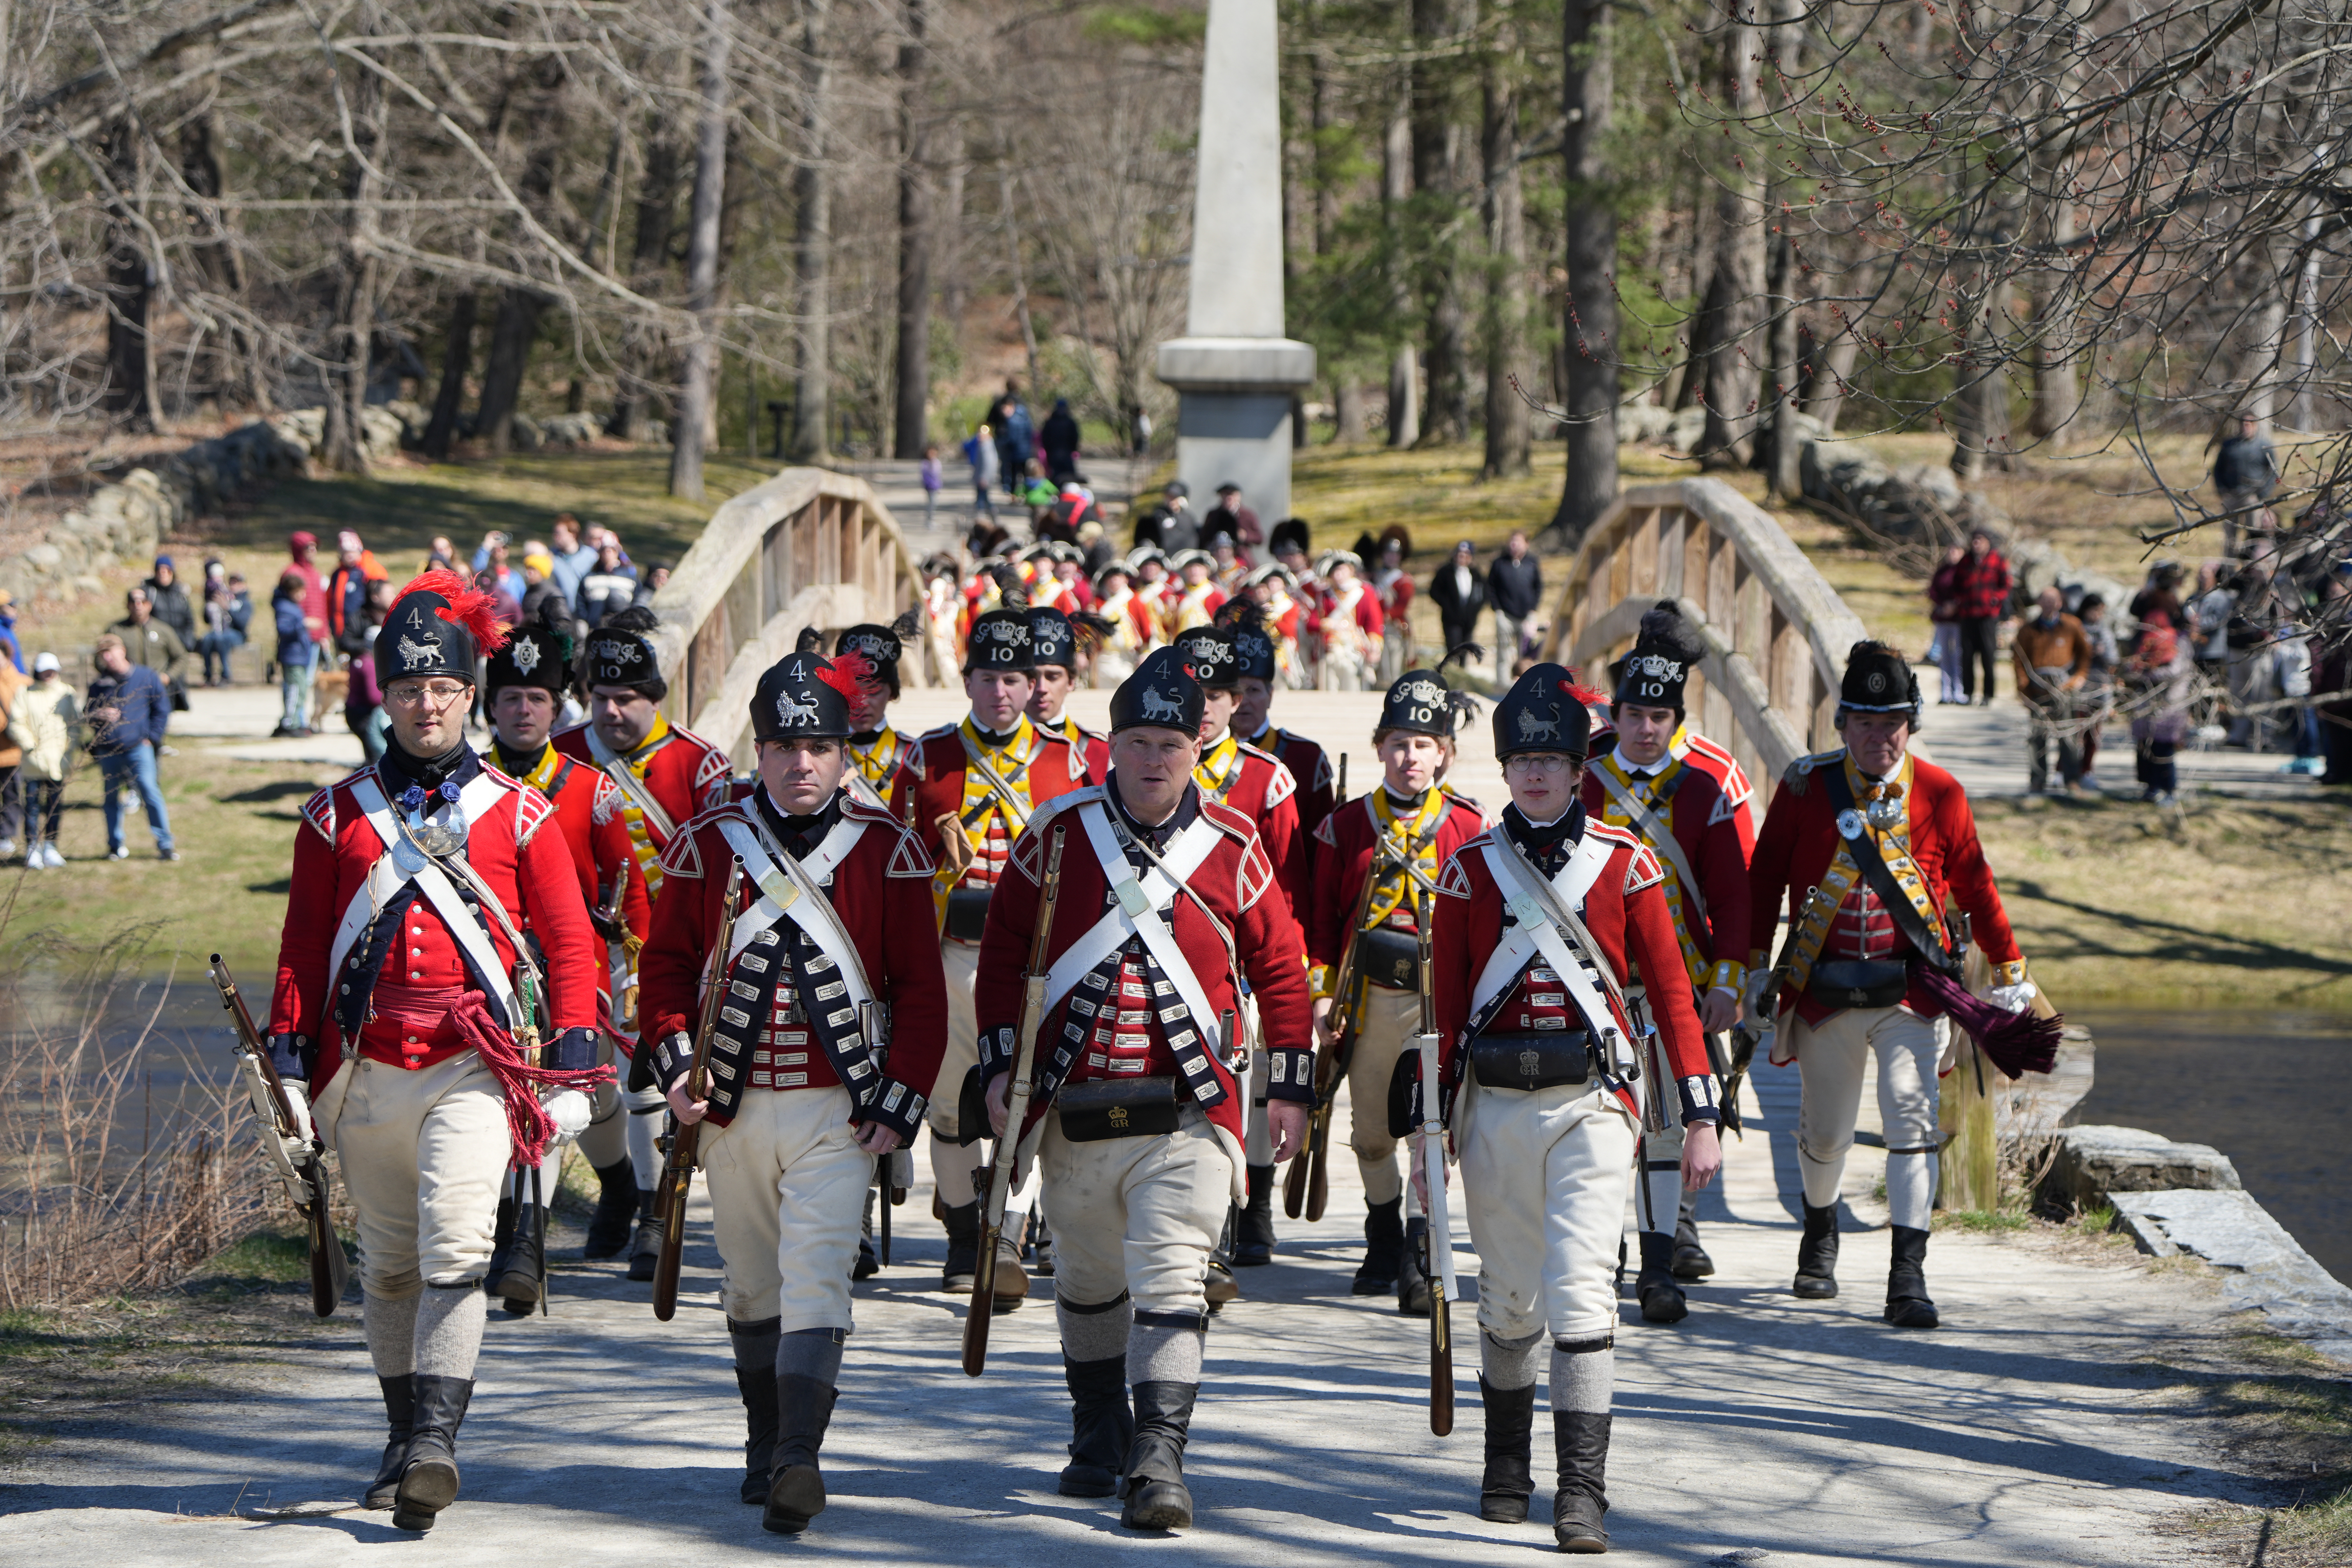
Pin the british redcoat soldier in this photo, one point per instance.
(1167, 904)
(967, 789)
(876, 749)
(1256, 668)
(1542, 921)
(1876, 852)
(1056, 637)
(831, 953)
(1685, 797)
(1397, 836)
(525, 681)
(406, 1010)
(665, 775)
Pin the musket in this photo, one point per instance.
(1438, 1267)
(886, 1166)
(307, 1180)
(686, 1140)
(1309, 1185)
(1008, 1142)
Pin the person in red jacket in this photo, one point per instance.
(526, 680)
(1054, 640)
(831, 955)
(1685, 797)
(1538, 1055)
(1257, 666)
(665, 775)
(1398, 836)
(406, 1011)
(1136, 1117)
(967, 789)
(1851, 984)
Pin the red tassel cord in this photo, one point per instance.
(526, 1121)
(2018, 1043)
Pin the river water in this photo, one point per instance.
(2269, 1089)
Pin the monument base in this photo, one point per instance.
(1232, 420)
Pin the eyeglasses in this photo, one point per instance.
(418, 694)
(1546, 763)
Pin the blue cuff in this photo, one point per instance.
(898, 1108)
(291, 1055)
(574, 1050)
(997, 1048)
(673, 1054)
(1290, 1075)
(1699, 1102)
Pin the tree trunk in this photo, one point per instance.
(2057, 382)
(1782, 443)
(1348, 407)
(243, 374)
(1506, 274)
(512, 332)
(356, 266)
(697, 386)
(912, 431)
(1396, 190)
(646, 345)
(130, 397)
(1589, 218)
(1735, 290)
(456, 359)
(1437, 181)
(812, 244)
(947, 239)
(1980, 418)
(1832, 368)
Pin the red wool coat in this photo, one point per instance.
(588, 810)
(882, 892)
(1093, 751)
(1261, 788)
(1311, 770)
(1799, 839)
(688, 774)
(929, 782)
(1626, 912)
(1235, 881)
(531, 871)
(1343, 859)
(1709, 815)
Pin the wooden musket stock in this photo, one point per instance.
(686, 1140)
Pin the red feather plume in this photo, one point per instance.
(846, 670)
(468, 607)
(1584, 695)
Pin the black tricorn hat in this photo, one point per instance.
(438, 626)
(1208, 650)
(534, 656)
(1543, 711)
(1162, 693)
(1000, 641)
(1878, 681)
(803, 696)
(1052, 639)
(1666, 651)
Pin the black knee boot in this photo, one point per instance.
(1253, 1245)
(868, 1262)
(1383, 1243)
(1817, 1255)
(1907, 1306)
(617, 1205)
(524, 1283)
(1691, 1261)
(1157, 1498)
(428, 1476)
(644, 1251)
(755, 1380)
(962, 1223)
(1661, 1298)
(1510, 1436)
(1102, 1425)
(796, 1495)
(1582, 1440)
(502, 1241)
(1412, 1276)
(399, 1409)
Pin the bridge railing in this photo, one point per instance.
(1776, 632)
(808, 548)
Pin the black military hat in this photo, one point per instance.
(805, 696)
(1000, 641)
(881, 646)
(1210, 652)
(1244, 621)
(1419, 702)
(1665, 650)
(1162, 693)
(1543, 711)
(619, 655)
(1878, 681)
(534, 656)
(436, 628)
(1052, 639)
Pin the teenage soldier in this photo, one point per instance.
(1055, 637)
(1397, 836)
(967, 789)
(1539, 1052)
(830, 954)
(406, 1010)
(1884, 849)
(1687, 800)
(526, 682)
(665, 775)
(1167, 902)
(1256, 668)
(1193, 597)
(876, 749)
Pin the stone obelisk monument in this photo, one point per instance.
(1234, 367)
